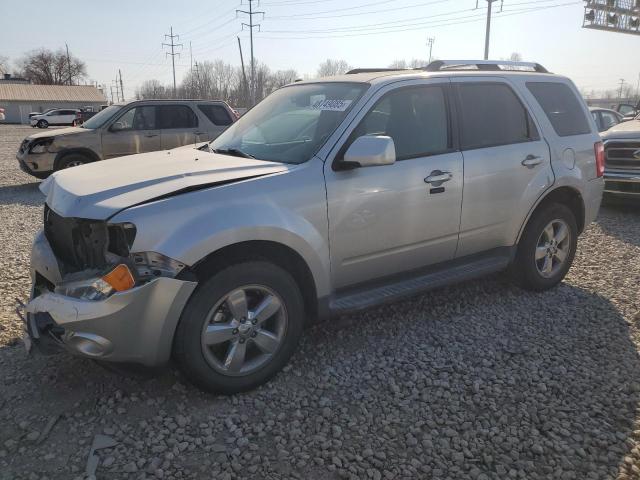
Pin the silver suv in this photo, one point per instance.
(124, 129)
(329, 196)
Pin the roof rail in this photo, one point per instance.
(372, 70)
(491, 65)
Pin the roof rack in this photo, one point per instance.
(490, 65)
(372, 70)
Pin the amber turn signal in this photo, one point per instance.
(120, 278)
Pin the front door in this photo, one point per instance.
(135, 131)
(507, 164)
(389, 219)
(178, 126)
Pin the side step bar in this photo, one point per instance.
(363, 297)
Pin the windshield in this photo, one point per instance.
(102, 117)
(291, 124)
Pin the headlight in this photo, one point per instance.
(41, 145)
(118, 279)
(153, 264)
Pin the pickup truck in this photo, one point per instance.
(622, 159)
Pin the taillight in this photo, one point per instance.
(599, 149)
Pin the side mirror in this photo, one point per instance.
(369, 151)
(117, 126)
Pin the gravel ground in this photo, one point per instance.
(480, 381)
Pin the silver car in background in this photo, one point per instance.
(328, 197)
(123, 129)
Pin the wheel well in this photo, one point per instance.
(277, 253)
(85, 152)
(569, 197)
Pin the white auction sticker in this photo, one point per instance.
(331, 105)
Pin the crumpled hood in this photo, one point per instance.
(101, 189)
(624, 130)
(58, 132)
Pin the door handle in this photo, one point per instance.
(200, 133)
(531, 161)
(151, 135)
(438, 177)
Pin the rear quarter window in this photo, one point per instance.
(217, 114)
(562, 107)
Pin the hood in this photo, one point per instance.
(624, 130)
(99, 190)
(58, 132)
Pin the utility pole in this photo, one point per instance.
(244, 74)
(112, 102)
(121, 86)
(430, 41)
(173, 54)
(199, 94)
(621, 85)
(251, 26)
(638, 91)
(191, 68)
(68, 62)
(487, 35)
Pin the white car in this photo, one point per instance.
(2, 114)
(55, 117)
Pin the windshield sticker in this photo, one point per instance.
(331, 105)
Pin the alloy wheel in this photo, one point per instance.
(553, 248)
(244, 330)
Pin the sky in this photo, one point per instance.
(299, 34)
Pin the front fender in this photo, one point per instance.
(288, 208)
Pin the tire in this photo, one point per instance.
(71, 160)
(215, 367)
(545, 272)
(42, 124)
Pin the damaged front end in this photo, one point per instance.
(94, 297)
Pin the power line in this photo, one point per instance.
(173, 54)
(439, 23)
(251, 26)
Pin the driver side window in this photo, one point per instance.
(137, 118)
(416, 118)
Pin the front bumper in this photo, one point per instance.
(623, 184)
(134, 326)
(36, 164)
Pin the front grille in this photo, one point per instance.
(620, 155)
(78, 244)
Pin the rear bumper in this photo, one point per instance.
(134, 326)
(625, 184)
(592, 199)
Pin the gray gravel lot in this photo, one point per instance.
(480, 381)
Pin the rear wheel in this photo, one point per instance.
(546, 249)
(240, 327)
(42, 124)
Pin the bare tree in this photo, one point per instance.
(329, 68)
(47, 67)
(4, 64)
(398, 64)
(515, 57)
(403, 64)
(152, 89)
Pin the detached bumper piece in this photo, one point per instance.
(40, 331)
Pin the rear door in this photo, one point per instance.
(54, 117)
(178, 126)
(135, 131)
(219, 118)
(507, 164)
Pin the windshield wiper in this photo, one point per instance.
(234, 152)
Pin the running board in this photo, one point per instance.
(365, 297)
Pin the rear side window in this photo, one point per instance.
(562, 108)
(176, 116)
(491, 114)
(217, 114)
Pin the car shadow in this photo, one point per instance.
(619, 219)
(482, 376)
(24, 194)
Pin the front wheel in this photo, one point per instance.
(546, 249)
(71, 160)
(42, 124)
(240, 327)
